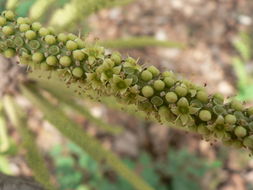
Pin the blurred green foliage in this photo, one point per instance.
(181, 170)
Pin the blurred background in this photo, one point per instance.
(207, 41)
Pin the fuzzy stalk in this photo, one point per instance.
(33, 155)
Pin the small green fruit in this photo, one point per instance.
(71, 45)
(37, 57)
(146, 75)
(65, 61)
(78, 55)
(171, 97)
(205, 115)
(30, 34)
(230, 119)
(169, 81)
(240, 131)
(62, 37)
(181, 91)
(44, 31)
(159, 85)
(78, 72)
(50, 39)
(183, 102)
(202, 96)
(2, 21)
(147, 91)
(36, 26)
(9, 15)
(236, 105)
(9, 53)
(155, 72)
(24, 27)
(248, 142)
(52, 60)
(8, 30)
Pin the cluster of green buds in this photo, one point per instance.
(160, 94)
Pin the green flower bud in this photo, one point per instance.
(169, 81)
(116, 58)
(167, 74)
(30, 34)
(159, 85)
(146, 75)
(236, 105)
(2, 21)
(181, 91)
(9, 15)
(65, 61)
(37, 57)
(21, 20)
(44, 31)
(36, 26)
(71, 45)
(34, 44)
(72, 36)
(250, 111)
(218, 98)
(78, 72)
(78, 55)
(9, 53)
(248, 142)
(240, 131)
(62, 37)
(230, 119)
(8, 30)
(24, 27)
(171, 97)
(155, 72)
(183, 102)
(50, 39)
(54, 50)
(205, 115)
(202, 96)
(52, 60)
(147, 91)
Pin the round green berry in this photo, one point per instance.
(169, 81)
(155, 72)
(78, 55)
(167, 74)
(78, 72)
(30, 35)
(8, 30)
(236, 105)
(44, 32)
(230, 119)
(181, 90)
(21, 20)
(218, 98)
(80, 43)
(62, 37)
(44, 66)
(37, 57)
(36, 26)
(24, 27)
(52, 60)
(9, 15)
(240, 131)
(183, 102)
(202, 96)
(250, 111)
(72, 36)
(171, 97)
(116, 58)
(2, 21)
(205, 115)
(65, 61)
(147, 91)
(159, 85)
(157, 101)
(248, 142)
(9, 53)
(71, 45)
(146, 75)
(50, 39)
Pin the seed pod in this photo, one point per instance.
(9, 15)
(248, 142)
(78, 55)
(159, 85)
(205, 115)
(36, 26)
(62, 37)
(24, 27)
(183, 102)
(146, 75)
(2, 21)
(147, 91)
(240, 131)
(9, 53)
(171, 97)
(157, 101)
(77, 72)
(65, 61)
(44, 31)
(250, 111)
(169, 81)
